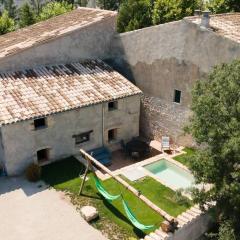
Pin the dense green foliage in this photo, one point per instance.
(6, 23)
(134, 14)
(64, 175)
(10, 7)
(223, 6)
(26, 16)
(172, 10)
(215, 125)
(108, 4)
(52, 9)
(166, 11)
(143, 13)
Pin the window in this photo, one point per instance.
(112, 106)
(177, 96)
(112, 135)
(40, 123)
(83, 137)
(43, 155)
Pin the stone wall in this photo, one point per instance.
(192, 224)
(164, 58)
(21, 141)
(159, 118)
(91, 42)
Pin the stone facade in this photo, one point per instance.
(20, 141)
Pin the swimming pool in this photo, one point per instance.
(170, 174)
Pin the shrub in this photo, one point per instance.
(6, 23)
(172, 10)
(52, 9)
(134, 14)
(33, 172)
(26, 16)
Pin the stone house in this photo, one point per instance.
(48, 112)
(164, 61)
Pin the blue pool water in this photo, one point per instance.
(170, 174)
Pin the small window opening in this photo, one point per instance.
(43, 155)
(83, 137)
(112, 135)
(112, 106)
(40, 123)
(177, 96)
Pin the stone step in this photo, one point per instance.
(188, 216)
(184, 219)
(147, 237)
(155, 236)
(161, 233)
(181, 223)
(194, 214)
(196, 210)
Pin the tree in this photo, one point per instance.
(215, 125)
(223, 6)
(173, 10)
(6, 23)
(36, 5)
(26, 16)
(134, 14)
(109, 4)
(54, 9)
(10, 7)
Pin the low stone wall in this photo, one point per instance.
(194, 230)
(160, 118)
(192, 224)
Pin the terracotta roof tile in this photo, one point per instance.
(227, 25)
(50, 89)
(52, 28)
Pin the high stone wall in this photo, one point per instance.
(163, 58)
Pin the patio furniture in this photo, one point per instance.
(137, 147)
(101, 154)
(165, 143)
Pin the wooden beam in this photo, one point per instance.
(84, 178)
(164, 214)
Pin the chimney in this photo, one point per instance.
(205, 21)
(197, 12)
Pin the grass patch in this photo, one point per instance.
(162, 196)
(185, 158)
(64, 175)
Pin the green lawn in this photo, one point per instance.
(185, 158)
(162, 196)
(63, 175)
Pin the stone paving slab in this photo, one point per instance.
(32, 212)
